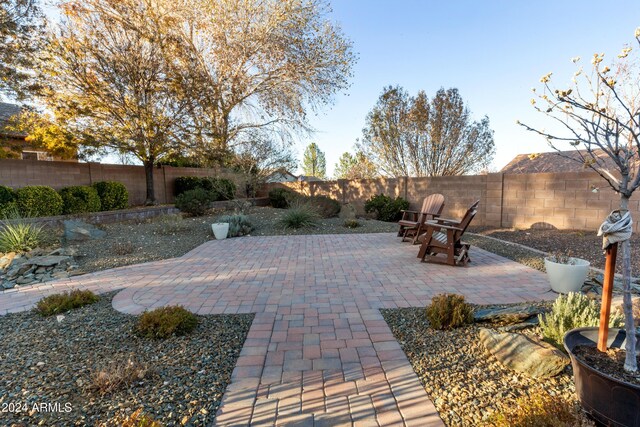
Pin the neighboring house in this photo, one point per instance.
(14, 144)
(281, 175)
(555, 162)
(309, 178)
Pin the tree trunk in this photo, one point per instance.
(630, 363)
(148, 171)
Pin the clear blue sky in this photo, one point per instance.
(494, 52)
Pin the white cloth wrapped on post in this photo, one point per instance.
(615, 228)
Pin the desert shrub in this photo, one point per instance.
(166, 321)
(79, 199)
(351, 223)
(117, 375)
(280, 197)
(195, 202)
(7, 195)
(38, 200)
(17, 235)
(59, 303)
(136, 419)
(223, 188)
(538, 410)
(182, 184)
(574, 310)
(300, 215)
(239, 225)
(386, 208)
(448, 311)
(113, 195)
(325, 206)
(171, 224)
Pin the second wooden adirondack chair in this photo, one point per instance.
(412, 222)
(444, 237)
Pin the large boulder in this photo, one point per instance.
(520, 353)
(506, 315)
(78, 231)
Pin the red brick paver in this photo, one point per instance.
(318, 352)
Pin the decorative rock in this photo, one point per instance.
(510, 315)
(75, 230)
(25, 280)
(522, 354)
(8, 285)
(48, 261)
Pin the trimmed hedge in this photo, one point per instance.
(113, 195)
(7, 195)
(195, 202)
(219, 188)
(39, 200)
(79, 199)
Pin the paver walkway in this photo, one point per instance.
(318, 352)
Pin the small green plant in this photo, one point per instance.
(79, 199)
(166, 321)
(195, 202)
(574, 310)
(538, 410)
(386, 208)
(113, 195)
(300, 215)
(448, 311)
(16, 234)
(280, 197)
(123, 248)
(38, 200)
(324, 205)
(239, 225)
(59, 303)
(351, 223)
(118, 374)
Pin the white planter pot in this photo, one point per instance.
(220, 230)
(565, 278)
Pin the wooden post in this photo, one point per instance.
(607, 290)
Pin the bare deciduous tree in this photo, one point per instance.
(412, 136)
(600, 112)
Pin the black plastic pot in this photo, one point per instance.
(608, 400)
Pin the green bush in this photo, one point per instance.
(351, 223)
(38, 200)
(386, 208)
(326, 206)
(300, 215)
(183, 184)
(538, 410)
(223, 188)
(7, 196)
(17, 235)
(79, 199)
(280, 197)
(574, 310)
(113, 195)
(195, 202)
(59, 303)
(448, 311)
(166, 321)
(239, 225)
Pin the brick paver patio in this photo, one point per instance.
(318, 352)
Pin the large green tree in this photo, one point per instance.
(314, 162)
(356, 166)
(21, 36)
(414, 136)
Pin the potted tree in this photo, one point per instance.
(600, 113)
(566, 273)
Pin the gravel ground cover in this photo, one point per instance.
(47, 361)
(165, 237)
(466, 385)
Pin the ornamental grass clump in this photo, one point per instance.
(118, 374)
(538, 410)
(60, 303)
(18, 235)
(574, 310)
(164, 322)
(299, 216)
(448, 311)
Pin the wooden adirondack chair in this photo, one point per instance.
(412, 222)
(444, 236)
